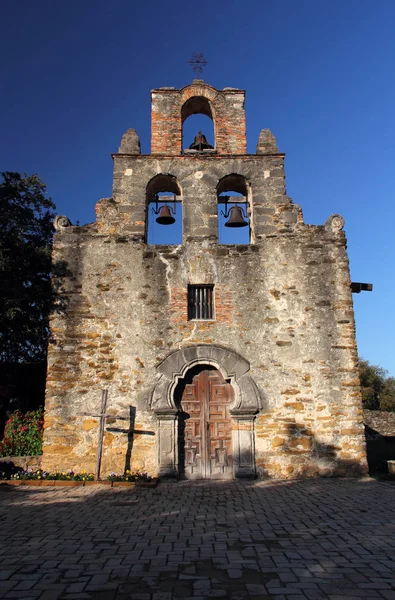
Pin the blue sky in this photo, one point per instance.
(76, 74)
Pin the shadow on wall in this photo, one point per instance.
(308, 457)
(60, 299)
(131, 433)
(69, 303)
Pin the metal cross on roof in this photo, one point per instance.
(198, 62)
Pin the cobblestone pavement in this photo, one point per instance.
(310, 539)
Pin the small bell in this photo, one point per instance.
(200, 143)
(165, 216)
(236, 218)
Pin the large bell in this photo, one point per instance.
(236, 218)
(165, 216)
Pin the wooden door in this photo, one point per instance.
(207, 427)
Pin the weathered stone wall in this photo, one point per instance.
(125, 212)
(282, 303)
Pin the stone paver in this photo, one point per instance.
(301, 540)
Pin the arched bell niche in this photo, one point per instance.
(197, 117)
(234, 210)
(164, 210)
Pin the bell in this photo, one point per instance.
(236, 218)
(200, 143)
(165, 216)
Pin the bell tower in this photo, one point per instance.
(170, 108)
(217, 196)
(232, 340)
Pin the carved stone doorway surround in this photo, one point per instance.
(246, 405)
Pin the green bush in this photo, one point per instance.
(23, 434)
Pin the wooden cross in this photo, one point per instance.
(103, 416)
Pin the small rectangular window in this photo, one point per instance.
(200, 302)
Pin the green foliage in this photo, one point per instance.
(23, 434)
(387, 396)
(378, 390)
(25, 267)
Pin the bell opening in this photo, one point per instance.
(234, 223)
(164, 211)
(198, 134)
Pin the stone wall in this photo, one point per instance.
(283, 314)
(284, 304)
(125, 213)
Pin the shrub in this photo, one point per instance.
(23, 434)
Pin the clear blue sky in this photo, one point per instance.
(76, 74)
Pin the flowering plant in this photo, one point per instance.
(130, 476)
(83, 476)
(23, 434)
(40, 474)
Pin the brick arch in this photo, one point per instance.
(206, 100)
(199, 89)
(231, 365)
(211, 101)
(198, 105)
(200, 84)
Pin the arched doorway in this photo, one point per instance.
(205, 427)
(244, 403)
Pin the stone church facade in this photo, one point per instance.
(223, 360)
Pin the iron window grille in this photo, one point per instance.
(200, 302)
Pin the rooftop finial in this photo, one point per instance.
(198, 62)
